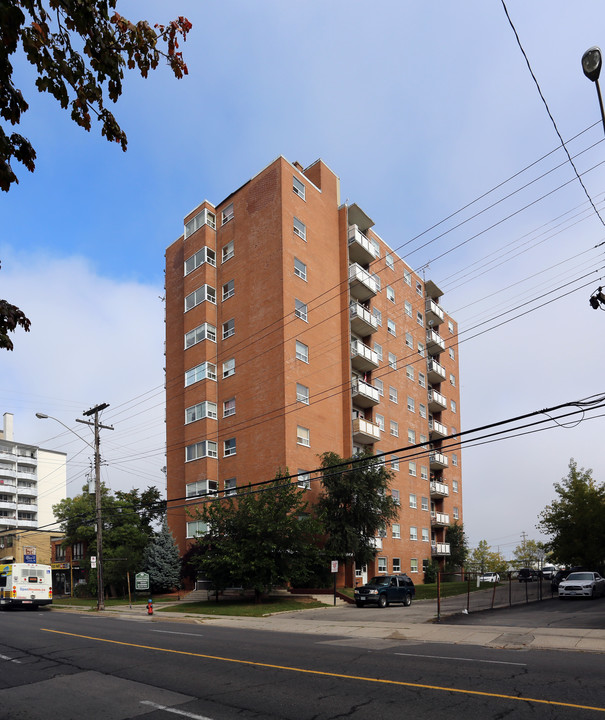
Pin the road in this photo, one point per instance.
(93, 666)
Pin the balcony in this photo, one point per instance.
(439, 490)
(7, 486)
(376, 543)
(363, 286)
(7, 454)
(6, 472)
(433, 313)
(361, 249)
(362, 321)
(27, 491)
(28, 524)
(435, 372)
(6, 506)
(363, 357)
(440, 519)
(365, 432)
(436, 429)
(27, 507)
(364, 394)
(437, 401)
(6, 522)
(437, 461)
(434, 343)
(440, 549)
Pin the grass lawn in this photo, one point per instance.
(244, 607)
(112, 602)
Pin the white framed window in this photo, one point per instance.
(200, 411)
(205, 448)
(230, 487)
(304, 479)
(300, 269)
(455, 486)
(420, 318)
(204, 217)
(392, 361)
(394, 428)
(228, 289)
(455, 459)
(300, 309)
(413, 533)
(418, 288)
(298, 187)
(392, 394)
(453, 406)
(205, 255)
(205, 371)
(408, 308)
(420, 349)
(411, 436)
(411, 404)
(423, 439)
(396, 563)
(302, 351)
(425, 503)
(376, 277)
(450, 326)
(409, 372)
(201, 488)
(412, 470)
(227, 214)
(396, 530)
(302, 394)
(380, 421)
(396, 497)
(452, 380)
(413, 503)
(228, 251)
(424, 473)
(389, 260)
(452, 353)
(391, 327)
(196, 528)
(378, 351)
(422, 410)
(413, 565)
(456, 513)
(229, 368)
(228, 328)
(378, 315)
(422, 379)
(382, 565)
(303, 436)
(407, 277)
(390, 294)
(206, 292)
(379, 385)
(395, 466)
(229, 447)
(300, 229)
(425, 535)
(409, 340)
(199, 334)
(229, 407)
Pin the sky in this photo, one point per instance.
(436, 128)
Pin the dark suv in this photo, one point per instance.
(385, 589)
(528, 575)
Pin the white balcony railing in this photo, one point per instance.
(364, 394)
(440, 548)
(362, 320)
(362, 356)
(438, 460)
(434, 342)
(437, 428)
(435, 371)
(361, 248)
(363, 285)
(440, 518)
(437, 401)
(365, 432)
(439, 489)
(433, 312)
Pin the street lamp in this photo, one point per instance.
(592, 61)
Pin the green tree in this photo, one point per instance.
(528, 554)
(162, 561)
(10, 319)
(355, 505)
(456, 537)
(258, 540)
(483, 559)
(574, 521)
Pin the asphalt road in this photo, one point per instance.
(88, 666)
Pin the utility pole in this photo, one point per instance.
(97, 427)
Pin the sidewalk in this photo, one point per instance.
(413, 624)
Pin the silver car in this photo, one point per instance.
(582, 584)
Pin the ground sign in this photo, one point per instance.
(141, 581)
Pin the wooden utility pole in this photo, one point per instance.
(97, 427)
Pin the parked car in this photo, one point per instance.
(385, 589)
(527, 575)
(560, 575)
(582, 584)
(548, 571)
(490, 577)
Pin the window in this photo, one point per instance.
(409, 372)
(422, 410)
(391, 328)
(376, 278)
(422, 379)
(303, 436)
(420, 319)
(300, 269)
(392, 394)
(413, 565)
(409, 340)
(228, 251)
(420, 349)
(455, 486)
(378, 315)
(455, 459)
(205, 371)
(452, 380)
(379, 385)
(197, 528)
(300, 229)
(411, 436)
(230, 487)
(411, 404)
(304, 480)
(423, 439)
(452, 353)
(228, 289)
(205, 217)
(412, 470)
(413, 503)
(229, 368)
(424, 503)
(413, 533)
(418, 288)
(199, 296)
(302, 352)
(227, 214)
(206, 448)
(229, 407)
(205, 255)
(378, 351)
(202, 487)
(380, 421)
(395, 496)
(77, 551)
(228, 328)
(396, 565)
(300, 309)
(408, 308)
(394, 428)
(450, 326)
(390, 262)
(298, 187)
(455, 513)
(229, 447)
(390, 294)
(396, 530)
(407, 277)
(392, 361)
(395, 466)
(200, 411)
(382, 564)
(424, 473)
(453, 405)
(425, 535)
(302, 394)
(199, 334)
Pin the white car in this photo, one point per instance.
(582, 584)
(490, 577)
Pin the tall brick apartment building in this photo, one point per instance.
(293, 329)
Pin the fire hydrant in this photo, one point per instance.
(150, 607)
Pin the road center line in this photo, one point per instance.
(321, 673)
(445, 657)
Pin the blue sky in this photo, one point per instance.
(419, 112)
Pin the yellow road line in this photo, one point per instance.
(382, 681)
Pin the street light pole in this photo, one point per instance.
(592, 62)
